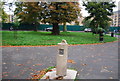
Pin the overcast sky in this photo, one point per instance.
(83, 11)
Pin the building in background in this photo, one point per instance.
(11, 19)
(79, 20)
(116, 19)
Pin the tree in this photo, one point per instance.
(29, 12)
(3, 14)
(76, 22)
(16, 24)
(61, 12)
(99, 12)
(19, 9)
(54, 13)
(86, 23)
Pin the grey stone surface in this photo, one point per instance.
(91, 61)
(71, 74)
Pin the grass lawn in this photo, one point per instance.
(118, 34)
(45, 38)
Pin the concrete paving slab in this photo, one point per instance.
(71, 74)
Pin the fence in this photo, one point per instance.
(25, 26)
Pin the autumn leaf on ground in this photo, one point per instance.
(71, 61)
(38, 64)
(50, 70)
(83, 64)
(37, 71)
(32, 73)
(59, 78)
(43, 72)
(30, 68)
(34, 76)
(19, 64)
(47, 77)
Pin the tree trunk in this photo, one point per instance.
(101, 36)
(55, 30)
(64, 27)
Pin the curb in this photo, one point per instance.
(57, 45)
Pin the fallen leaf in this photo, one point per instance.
(50, 70)
(82, 69)
(33, 65)
(105, 67)
(42, 72)
(83, 64)
(38, 71)
(47, 77)
(40, 75)
(30, 68)
(59, 78)
(104, 70)
(34, 75)
(71, 61)
(19, 64)
(38, 64)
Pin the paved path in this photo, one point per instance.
(92, 61)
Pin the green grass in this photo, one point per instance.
(118, 34)
(45, 38)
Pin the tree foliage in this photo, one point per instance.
(86, 23)
(99, 13)
(61, 12)
(53, 13)
(29, 12)
(3, 14)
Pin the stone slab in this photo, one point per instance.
(71, 74)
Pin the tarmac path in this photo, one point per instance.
(91, 61)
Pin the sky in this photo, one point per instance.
(83, 11)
